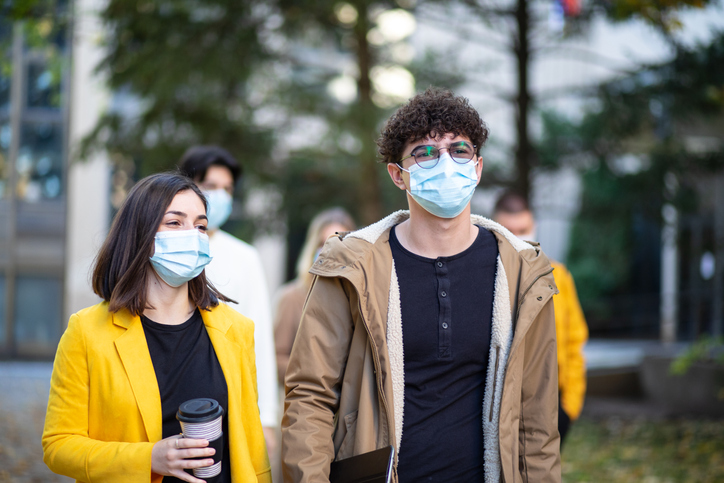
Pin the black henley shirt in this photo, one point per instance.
(447, 306)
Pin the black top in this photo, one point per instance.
(447, 308)
(187, 368)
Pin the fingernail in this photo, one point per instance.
(211, 451)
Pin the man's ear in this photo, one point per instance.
(479, 169)
(396, 174)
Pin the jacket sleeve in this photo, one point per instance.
(572, 336)
(67, 448)
(313, 382)
(538, 431)
(286, 323)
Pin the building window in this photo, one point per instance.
(34, 97)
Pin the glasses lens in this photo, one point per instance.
(426, 156)
(461, 152)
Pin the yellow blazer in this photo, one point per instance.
(571, 335)
(104, 409)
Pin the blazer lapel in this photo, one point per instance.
(228, 352)
(136, 359)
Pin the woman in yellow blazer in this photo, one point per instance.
(114, 378)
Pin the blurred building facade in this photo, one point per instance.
(34, 126)
(56, 208)
(697, 301)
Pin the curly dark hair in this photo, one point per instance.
(435, 112)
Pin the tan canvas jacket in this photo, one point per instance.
(345, 380)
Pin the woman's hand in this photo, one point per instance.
(169, 457)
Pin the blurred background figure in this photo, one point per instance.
(513, 212)
(292, 294)
(236, 269)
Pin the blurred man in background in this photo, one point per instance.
(513, 212)
(236, 270)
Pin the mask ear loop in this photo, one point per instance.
(406, 171)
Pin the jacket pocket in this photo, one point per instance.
(346, 449)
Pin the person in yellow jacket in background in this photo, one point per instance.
(513, 212)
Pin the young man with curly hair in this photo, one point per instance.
(431, 330)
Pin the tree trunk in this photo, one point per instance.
(369, 196)
(524, 150)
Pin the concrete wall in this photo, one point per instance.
(88, 180)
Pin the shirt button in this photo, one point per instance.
(444, 325)
(443, 293)
(439, 264)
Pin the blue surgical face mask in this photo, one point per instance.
(180, 256)
(219, 207)
(444, 190)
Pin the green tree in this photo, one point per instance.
(346, 156)
(340, 167)
(331, 43)
(522, 26)
(182, 73)
(633, 150)
(44, 25)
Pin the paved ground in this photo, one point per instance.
(24, 390)
(611, 354)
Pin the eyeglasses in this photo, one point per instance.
(427, 157)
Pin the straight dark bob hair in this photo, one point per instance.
(123, 262)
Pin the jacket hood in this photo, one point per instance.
(336, 257)
(372, 232)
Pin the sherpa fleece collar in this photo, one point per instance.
(372, 232)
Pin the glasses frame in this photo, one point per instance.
(412, 155)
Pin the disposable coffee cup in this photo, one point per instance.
(201, 419)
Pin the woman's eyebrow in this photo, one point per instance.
(184, 215)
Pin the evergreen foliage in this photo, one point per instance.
(635, 153)
(182, 73)
(523, 26)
